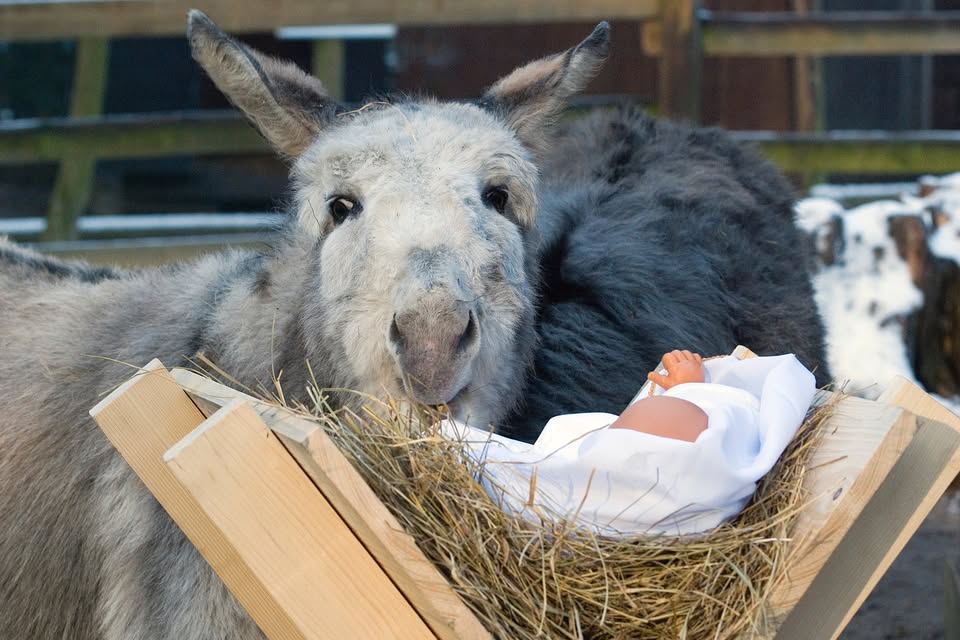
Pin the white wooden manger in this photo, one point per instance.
(310, 552)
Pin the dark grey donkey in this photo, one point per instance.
(431, 246)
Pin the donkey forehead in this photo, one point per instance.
(422, 144)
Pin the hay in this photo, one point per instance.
(555, 581)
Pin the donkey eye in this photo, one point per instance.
(496, 197)
(342, 207)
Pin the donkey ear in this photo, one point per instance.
(534, 95)
(287, 106)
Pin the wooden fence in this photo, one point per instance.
(677, 31)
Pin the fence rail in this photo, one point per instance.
(866, 33)
(113, 18)
(128, 136)
(224, 133)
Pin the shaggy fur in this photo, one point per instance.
(653, 236)
(395, 262)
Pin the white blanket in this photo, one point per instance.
(623, 482)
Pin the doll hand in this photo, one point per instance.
(681, 366)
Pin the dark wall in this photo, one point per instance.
(739, 93)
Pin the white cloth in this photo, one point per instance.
(624, 482)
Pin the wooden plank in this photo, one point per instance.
(898, 507)
(128, 136)
(903, 393)
(74, 183)
(862, 33)
(878, 152)
(804, 101)
(220, 133)
(143, 418)
(328, 64)
(370, 520)
(834, 34)
(861, 443)
(919, 475)
(303, 573)
(681, 59)
(69, 197)
(52, 20)
(146, 252)
(808, 97)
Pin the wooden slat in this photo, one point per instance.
(876, 152)
(885, 525)
(51, 20)
(303, 573)
(218, 133)
(833, 34)
(917, 479)
(903, 393)
(861, 443)
(370, 520)
(681, 59)
(147, 252)
(74, 183)
(327, 63)
(142, 419)
(745, 34)
(128, 136)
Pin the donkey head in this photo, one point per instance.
(418, 216)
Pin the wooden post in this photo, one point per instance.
(681, 60)
(74, 183)
(328, 65)
(808, 92)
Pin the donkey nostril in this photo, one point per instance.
(469, 335)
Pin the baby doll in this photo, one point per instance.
(678, 462)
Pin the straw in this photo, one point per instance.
(554, 580)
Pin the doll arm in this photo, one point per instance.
(681, 366)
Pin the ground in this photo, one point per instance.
(908, 602)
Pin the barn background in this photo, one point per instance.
(857, 134)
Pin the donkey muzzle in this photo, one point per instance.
(435, 345)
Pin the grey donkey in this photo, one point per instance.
(452, 253)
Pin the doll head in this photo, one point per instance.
(664, 416)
